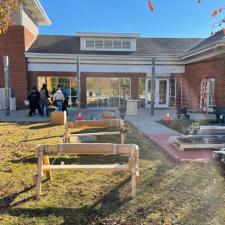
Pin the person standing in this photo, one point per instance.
(34, 97)
(65, 102)
(59, 99)
(44, 100)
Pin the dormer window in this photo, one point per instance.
(90, 44)
(108, 44)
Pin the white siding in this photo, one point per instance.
(160, 69)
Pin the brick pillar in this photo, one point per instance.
(12, 43)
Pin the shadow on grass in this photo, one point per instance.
(102, 208)
(81, 159)
(42, 138)
(42, 126)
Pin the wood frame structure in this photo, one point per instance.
(199, 142)
(88, 124)
(44, 151)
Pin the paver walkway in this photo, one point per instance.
(160, 134)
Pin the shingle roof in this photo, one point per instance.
(145, 46)
(217, 37)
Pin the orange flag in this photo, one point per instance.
(150, 5)
(214, 13)
(224, 31)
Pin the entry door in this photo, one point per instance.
(161, 93)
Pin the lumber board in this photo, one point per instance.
(121, 167)
(87, 148)
(219, 152)
(96, 134)
(86, 124)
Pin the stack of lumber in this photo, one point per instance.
(208, 137)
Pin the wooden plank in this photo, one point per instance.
(107, 123)
(121, 167)
(219, 152)
(133, 172)
(39, 172)
(88, 148)
(96, 134)
(48, 172)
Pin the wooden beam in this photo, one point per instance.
(107, 123)
(46, 162)
(120, 167)
(39, 172)
(96, 134)
(87, 148)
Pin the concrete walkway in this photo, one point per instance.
(160, 134)
(149, 124)
(21, 116)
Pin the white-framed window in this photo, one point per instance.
(108, 92)
(125, 44)
(108, 44)
(90, 44)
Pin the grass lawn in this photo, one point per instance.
(168, 192)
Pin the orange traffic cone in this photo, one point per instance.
(79, 117)
(168, 117)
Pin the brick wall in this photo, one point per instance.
(134, 80)
(195, 72)
(13, 44)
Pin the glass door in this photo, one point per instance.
(161, 93)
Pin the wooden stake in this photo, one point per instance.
(39, 172)
(133, 173)
(47, 172)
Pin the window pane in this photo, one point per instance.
(114, 87)
(162, 92)
(91, 92)
(98, 43)
(108, 44)
(126, 44)
(117, 44)
(90, 44)
(125, 88)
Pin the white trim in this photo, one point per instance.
(203, 56)
(160, 69)
(83, 44)
(199, 52)
(99, 34)
(37, 12)
(99, 59)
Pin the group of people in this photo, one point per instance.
(41, 100)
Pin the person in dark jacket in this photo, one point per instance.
(44, 100)
(34, 97)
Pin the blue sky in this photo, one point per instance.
(171, 18)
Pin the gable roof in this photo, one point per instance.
(217, 38)
(57, 44)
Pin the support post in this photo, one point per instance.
(153, 88)
(133, 165)
(78, 85)
(6, 84)
(39, 171)
(48, 172)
